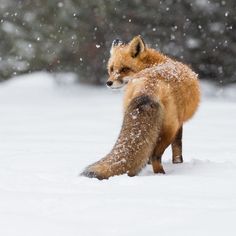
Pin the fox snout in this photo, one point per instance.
(115, 82)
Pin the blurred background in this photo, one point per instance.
(75, 35)
(55, 121)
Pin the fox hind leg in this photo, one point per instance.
(166, 138)
(157, 156)
(156, 165)
(177, 147)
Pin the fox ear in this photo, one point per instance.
(137, 46)
(115, 43)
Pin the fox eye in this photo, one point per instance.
(124, 70)
(111, 69)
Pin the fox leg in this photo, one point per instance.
(157, 155)
(156, 165)
(177, 147)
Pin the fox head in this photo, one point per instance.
(125, 60)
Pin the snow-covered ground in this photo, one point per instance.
(50, 133)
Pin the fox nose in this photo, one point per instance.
(109, 83)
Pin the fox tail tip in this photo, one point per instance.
(91, 174)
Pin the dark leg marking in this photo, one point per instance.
(177, 147)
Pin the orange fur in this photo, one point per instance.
(174, 89)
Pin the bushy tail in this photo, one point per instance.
(138, 136)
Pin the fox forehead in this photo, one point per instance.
(119, 57)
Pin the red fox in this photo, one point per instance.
(160, 95)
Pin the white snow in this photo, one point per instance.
(50, 133)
